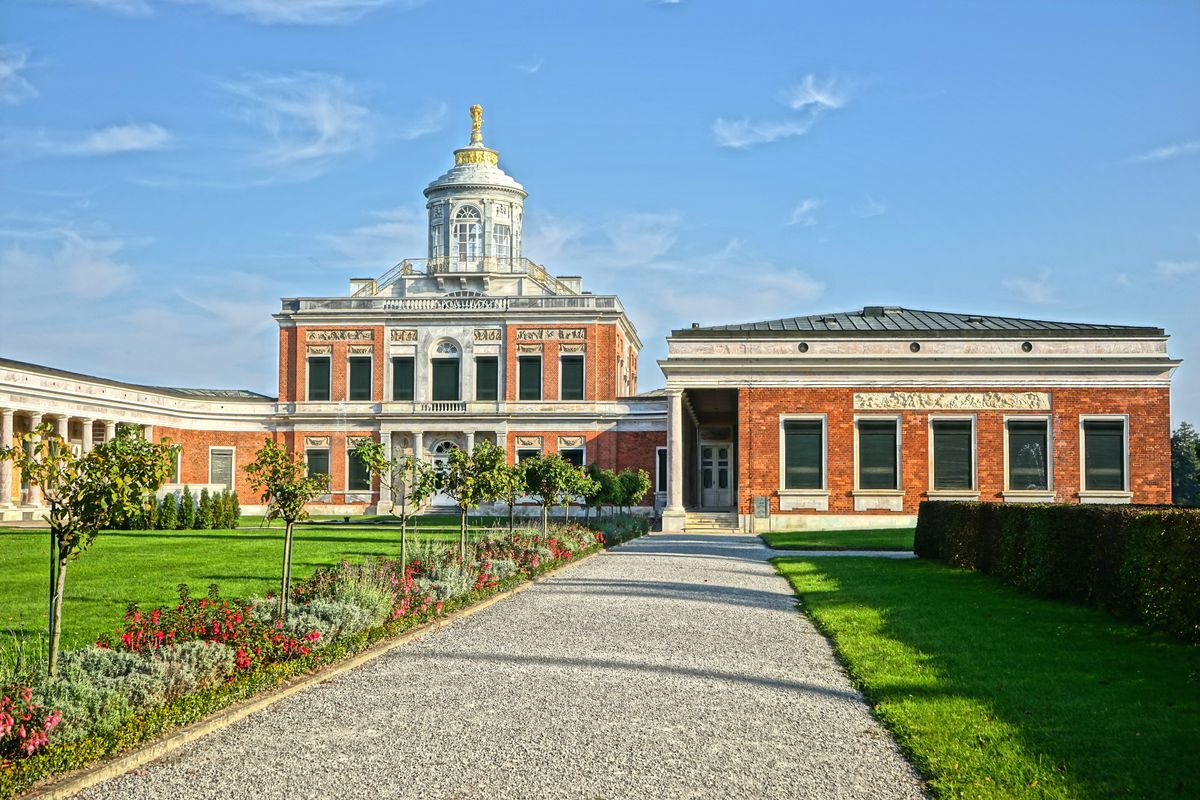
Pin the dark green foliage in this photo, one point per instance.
(204, 512)
(633, 485)
(186, 517)
(235, 510)
(1138, 562)
(1185, 466)
(166, 513)
(221, 511)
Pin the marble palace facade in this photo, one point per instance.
(839, 420)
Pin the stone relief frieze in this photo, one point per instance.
(316, 441)
(320, 350)
(529, 441)
(952, 401)
(568, 349)
(341, 335)
(404, 334)
(360, 350)
(550, 334)
(534, 349)
(570, 441)
(487, 334)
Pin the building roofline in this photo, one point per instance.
(225, 395)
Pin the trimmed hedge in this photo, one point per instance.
(1140, 563)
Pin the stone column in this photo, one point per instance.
(419, 445)
(88, 442)
(6, 467)
(674, 517)
(110, 430)
(385, 496)
(35, 492)
(62, 426)
(148, 432)
(470, 441)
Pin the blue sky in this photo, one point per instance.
(170, 168)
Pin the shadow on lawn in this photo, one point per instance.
(1104, 708)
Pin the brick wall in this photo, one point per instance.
(759, 443)
(600, 379)
(615, 450)
(293, 362)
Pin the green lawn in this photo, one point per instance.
(874, 539)
(993, 693)
(146, 567)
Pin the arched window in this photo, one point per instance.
(467, 234)
(444, 448)
(446, 369)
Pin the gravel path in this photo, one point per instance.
(671, 667)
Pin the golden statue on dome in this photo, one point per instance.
(476, 124)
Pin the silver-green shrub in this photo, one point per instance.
(142, 681)
(86, 707)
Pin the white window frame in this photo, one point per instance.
(561, 356)
(1048, 493)
(371, 371)
(898, 420)
(974, 487)
(233, 465)
(1123, 494)
(308, 378)
(457, 255)
(824, 420)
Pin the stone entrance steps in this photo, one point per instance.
(701, 521)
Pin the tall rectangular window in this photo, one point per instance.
(445, 379)
(571, 376)
(1028, 455)
(527, 453)
(220, 467)
(403, 378)
(1104, 455)
(574, 455)
(358, 477)
(502, 241)
(953, 459)
(360, 378)
(318, 378)
(487, 378)
(877, 457)
(660, 469)
(529, 371)
(435, 242)
(803, 454)
(318, 461)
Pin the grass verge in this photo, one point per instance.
(993, 693)
(872, 539)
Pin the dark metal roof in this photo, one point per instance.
(883, 320)
(199, 394)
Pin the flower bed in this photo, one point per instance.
(173, 666)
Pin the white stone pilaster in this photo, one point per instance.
(470, 441)
(6, 466)
(148, 432)
(419, 445)
(62, 427)
(674, 516)
(88, 437)
(35, 491)
(385, 494)
(110, 430)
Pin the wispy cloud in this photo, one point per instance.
(389, 237)
(309, 118)
(869, 208)
(802, 214)
(132, 138)
(641, 238)
(813, 92)
(80, 265)
(1174, 270)
(530, 67)
(1038, 291)
(1168, 152)
(14, 88)
(425, 123)
(266, 12)
(811, 99)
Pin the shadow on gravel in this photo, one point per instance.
(782, 600)
(636, 667)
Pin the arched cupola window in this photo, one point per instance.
(468, 235)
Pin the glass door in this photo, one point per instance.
(716, 485)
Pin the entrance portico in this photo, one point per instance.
(702, 446)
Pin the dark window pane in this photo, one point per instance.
(318, 462)
(358, 479)
(952, 459)
(1104, 455)
(877, 454)
(661, 472)
(803, 454)
(572, 377)
(220, 467)
(530, 377)
(445, 379)
(575, 456)
(403, 370)
(360, 378)
(318, 379)
(524, 454)
(1027, 456)
(487, 373)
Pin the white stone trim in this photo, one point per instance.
(878, 500)
(797, 499)
(824, 420)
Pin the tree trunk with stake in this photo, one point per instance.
(58, 577)
(287, 570)
(462, 534)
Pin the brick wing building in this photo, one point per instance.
(821, 421)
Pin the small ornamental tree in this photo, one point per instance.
(286, 489)
(549, 479)
(85, 494)
(204, 511)
(226, 507)
(1185, 466)
(579, 486)
(469, 479)
(406, 478)
(508, 485)
(633, 485)
(235, 510)
(186, 518)
(167, 518)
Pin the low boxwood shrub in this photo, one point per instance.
(1138, 562)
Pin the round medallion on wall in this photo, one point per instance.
(1026, 346)
(915, 347)
(803, 347)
